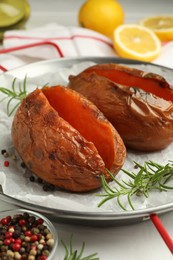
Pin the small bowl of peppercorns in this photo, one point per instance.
(26, 235)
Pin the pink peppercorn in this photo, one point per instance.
(6, 163)
(34, 247)
(7, 241)
(40, 221)
(8, 218)
(12, 240)
(22, 222)
(28, 233)
(4, 221)
(34, 238)
(8, 234)
(43, 257)
(16, 246)
(18, 240)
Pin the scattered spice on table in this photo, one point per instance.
(6, 163)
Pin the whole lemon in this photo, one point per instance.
(102, 16)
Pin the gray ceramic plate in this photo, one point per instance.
(89, 218)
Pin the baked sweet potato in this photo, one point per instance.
(138, 104)
(64, 139)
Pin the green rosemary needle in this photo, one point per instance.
(150, 176)
(14, 94)
(72, 254)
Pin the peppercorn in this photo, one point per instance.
(40, 227)
(45, 187)
(32, 178)
(46, 231)
(25, 215)
(3, 151)
(6, 154)
(21, 238)
(49, 236)
(31, 257)
(39, 180)
(22, 250)
(10, 253)
(22, 165)
(6, 163)
(40, 221)
(51, 187)
(4, 221)
(46, 252)
(43, 257)
(16, 234)
(14, 157)
(50, 242)
(35, 231)
(33, 252)
(16, 246)
(17, 255)
(31, 219)
(13, 221)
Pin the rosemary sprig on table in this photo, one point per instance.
(72, 254)
(18, 94)
(151, 176)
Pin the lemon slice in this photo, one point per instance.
(136, 42)
(11, 12)
(162, 25)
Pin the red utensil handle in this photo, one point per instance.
(164, 234)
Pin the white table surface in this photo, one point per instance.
(133, 242)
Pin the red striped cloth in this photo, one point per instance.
(52, 41)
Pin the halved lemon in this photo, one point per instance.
(136, 42)
(162, 25)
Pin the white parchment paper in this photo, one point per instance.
(15, 180)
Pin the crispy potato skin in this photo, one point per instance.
(54, 150)
(144, 121)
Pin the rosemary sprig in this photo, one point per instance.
(72, 254)
(150, 176)
(18, 94)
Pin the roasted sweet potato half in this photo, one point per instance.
(65, 140)
(138, 104)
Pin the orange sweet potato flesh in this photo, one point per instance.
(74, 112)
(144, 121)
(132, 77)
(65, 140)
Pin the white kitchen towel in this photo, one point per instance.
(52, 41)
(21, 47)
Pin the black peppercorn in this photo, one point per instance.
(3, 151)
(16, 234)
(45, 187)
(22, 165)
(32, 178)
(39, 180)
